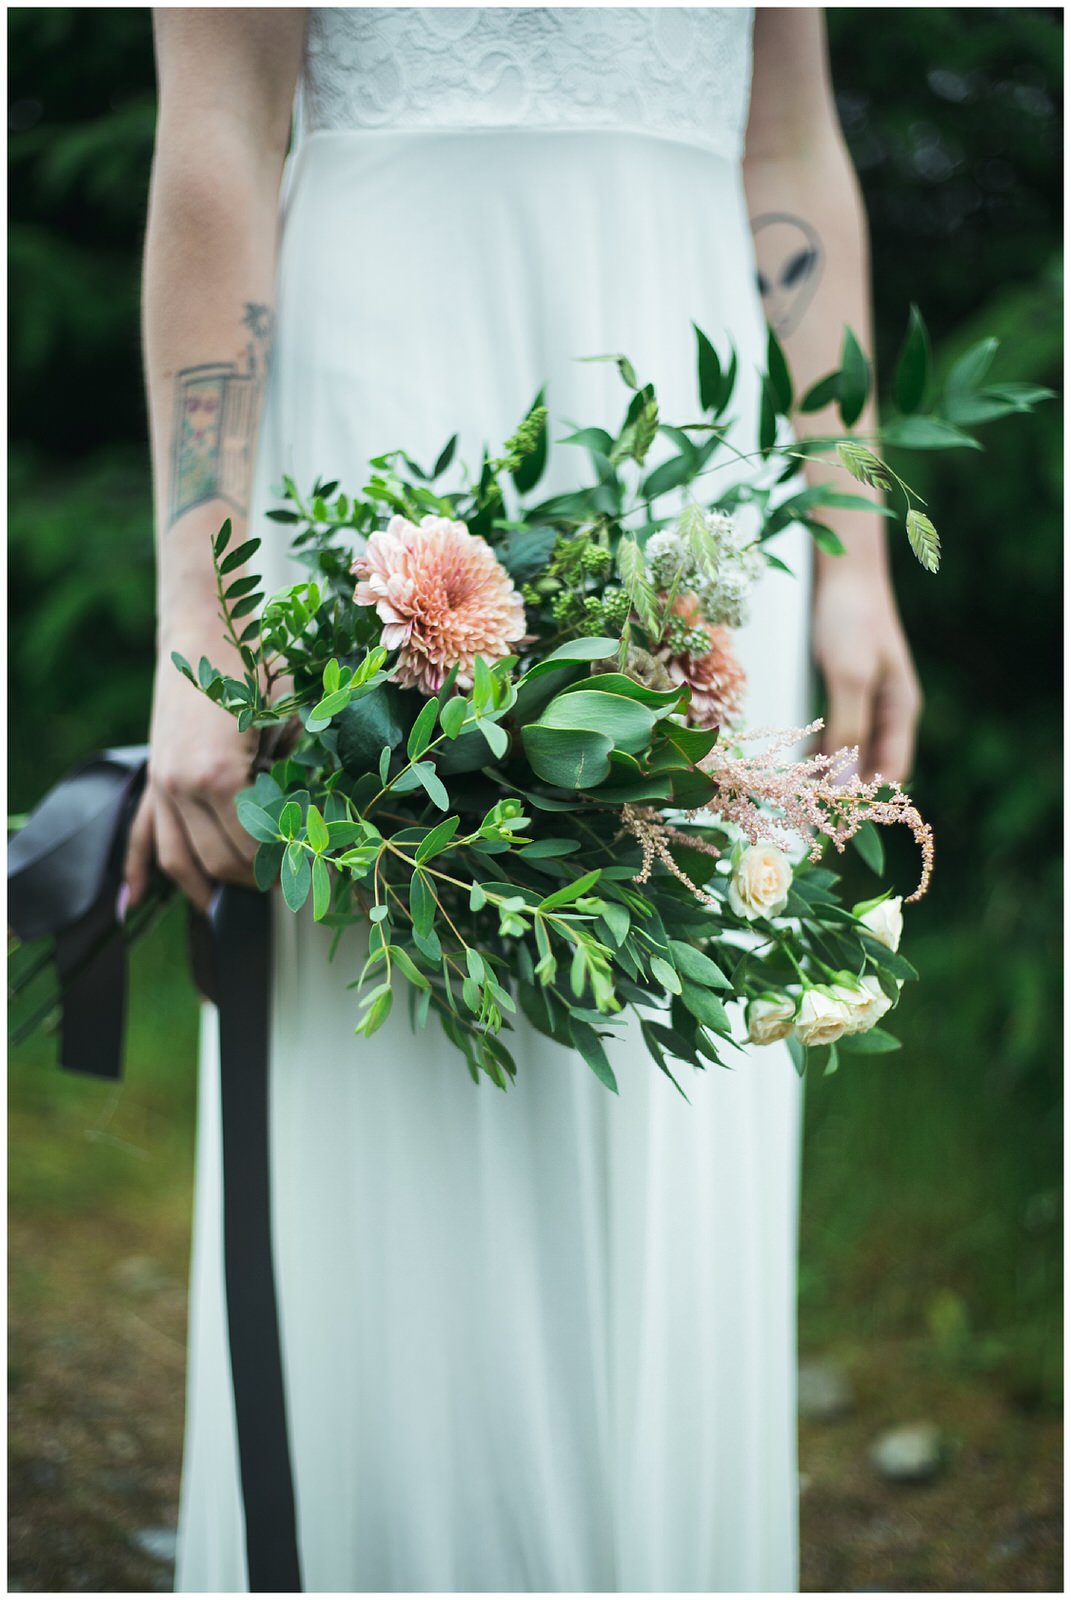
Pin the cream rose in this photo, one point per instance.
(886, 921)
(759, 886)
(822, 1018)
(770, 1018)
(878, 1005)
(856, 1000)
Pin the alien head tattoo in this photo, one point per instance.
(789, 259)
(216, 412)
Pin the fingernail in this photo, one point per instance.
(122, 903)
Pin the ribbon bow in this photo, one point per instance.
(65, 868)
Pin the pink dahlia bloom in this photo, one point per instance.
(715, 677)
(442, 597)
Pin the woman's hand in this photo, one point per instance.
(198, 761)
(871, 686)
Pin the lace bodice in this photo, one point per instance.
(674, 72)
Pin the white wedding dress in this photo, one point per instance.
(541, 1340)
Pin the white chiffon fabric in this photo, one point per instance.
(541, 1340)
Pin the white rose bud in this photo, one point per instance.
(886, 921)
(760, 884)
(770, 1018)
(822, 1018)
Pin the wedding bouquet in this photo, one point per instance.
(514, 753)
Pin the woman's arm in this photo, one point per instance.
(812, 253)
(226, 83)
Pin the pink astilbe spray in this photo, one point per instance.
(819, 797)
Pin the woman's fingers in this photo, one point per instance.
(176, 855)
(240, 846)
(139, 852)
(896, 713)
(849, 718)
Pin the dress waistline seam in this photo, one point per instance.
(733, 157)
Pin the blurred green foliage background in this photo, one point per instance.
(931, 1206)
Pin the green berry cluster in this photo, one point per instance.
(524, 441)
(595, 560)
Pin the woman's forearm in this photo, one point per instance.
(208, 292)
(226, 82)
(813, 259)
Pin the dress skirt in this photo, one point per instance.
(540, 1340)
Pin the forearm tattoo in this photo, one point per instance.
(789, 259)
(216, 410)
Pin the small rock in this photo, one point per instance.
(910, 1454)
(158, 1543)
(824, 1391)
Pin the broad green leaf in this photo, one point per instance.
(570, 892)
(421, 732)
(589, 1044)
(496, 736)
(316, 828)
(377, 1013)
(666, 975)
(568, 758)
(408, 967)
(705, 1007)
(235, 558)
(868, 842)
(325, 709)
(767, 417)
(875, 1042)
(708, 372)
(452, 716)
(625, 721)
(438, 839)
(525, 551)
(295, 877)
(321, 889)
(824, 537)
(697, 967)
(968, 372)
(257, 822)
(821, 394)
(926, 433)
(433, 785)
(369, 726)
(266, 865)
(670, 475)
(421, 904)
(597, 440)
(778, 373)
(854, 385)
(446, 455)
(913, 368)
(541, 849)
(290, 819)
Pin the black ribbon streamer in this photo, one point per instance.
(65, 867)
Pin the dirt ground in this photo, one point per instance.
(95, 1431)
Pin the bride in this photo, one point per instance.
(542, 1340)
